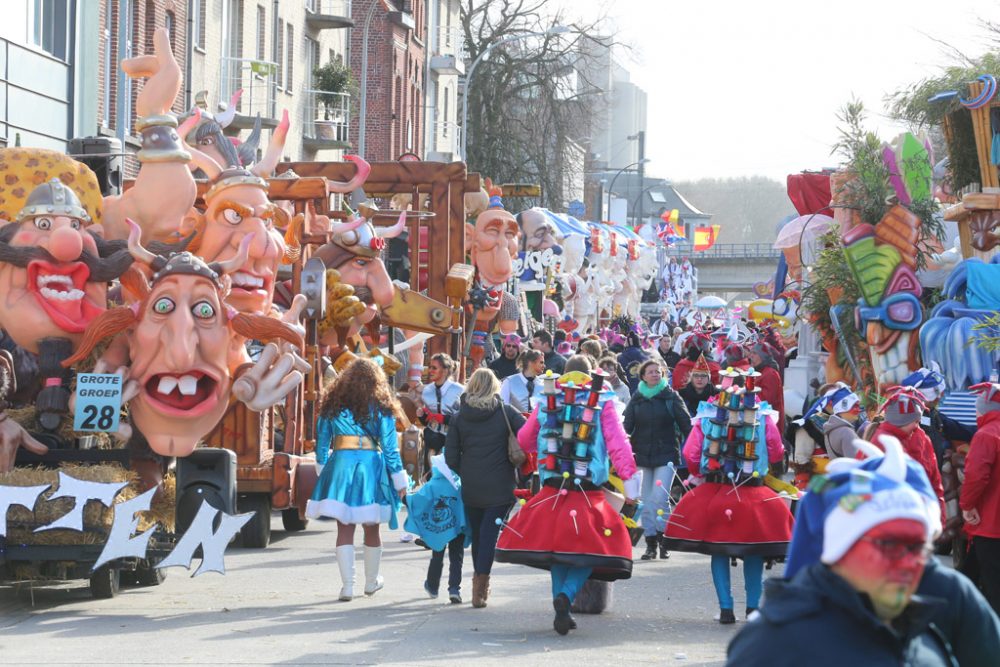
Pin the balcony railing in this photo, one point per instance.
(450, 41)
(327, 118)
(447, 138)
(726, 251)
(258, 79)
(328, 14)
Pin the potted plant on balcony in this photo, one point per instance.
(331, 81)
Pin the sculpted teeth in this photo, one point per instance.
(188, 385)
(167, 384)
(56, 295)
(241, 279)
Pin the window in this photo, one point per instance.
(657, 197)
(290, 57)
(279, 56)
(261, 30)
(50, 26)
(168, 23)
(197, 13)
(312, 59)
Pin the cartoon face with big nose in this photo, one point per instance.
(494, 246)
(180, 359)
(237, 207)
(53, 282)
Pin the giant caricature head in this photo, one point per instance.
(54, 270)
(210, 139)
(355, 251)
(493, 243)
(184, 344)
(237, 208)
(537, 231)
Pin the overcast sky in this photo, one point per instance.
(740, 88)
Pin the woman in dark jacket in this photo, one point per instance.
(476, 449)
(657, 422)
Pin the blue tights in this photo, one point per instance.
(568, 580)
(753, 580)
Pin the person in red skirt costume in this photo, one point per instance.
(568, 527)
(729, 512)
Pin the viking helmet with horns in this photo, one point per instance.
(365, 239)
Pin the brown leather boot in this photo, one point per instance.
(480, 590)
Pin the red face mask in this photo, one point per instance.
(886, 563)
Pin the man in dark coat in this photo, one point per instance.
(857, 604)
(506, 364)
(541, 340)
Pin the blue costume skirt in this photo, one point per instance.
(354, 488)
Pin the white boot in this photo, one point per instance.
(373, 581)
(345, 561)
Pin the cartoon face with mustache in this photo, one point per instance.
(52, 280)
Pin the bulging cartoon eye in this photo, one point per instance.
(43, 223)
(203, 310)
(163, 306)
(232, 217)
(75, 224)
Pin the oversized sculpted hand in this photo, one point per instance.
(341, 304)
(272, 377)
(13, 436)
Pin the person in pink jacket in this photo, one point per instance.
(728, 513)
(568, 527)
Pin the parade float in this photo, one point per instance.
(232, 296)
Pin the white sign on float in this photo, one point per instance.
(122, 541)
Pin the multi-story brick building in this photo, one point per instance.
(396, 76)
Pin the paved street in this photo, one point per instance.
(278, 606)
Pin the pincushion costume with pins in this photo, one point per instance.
(732, 512)
(568, 527)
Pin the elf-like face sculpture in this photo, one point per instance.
(538, 232)
(53, 281)
(494, 246)
(886, 564)
(182, 350)
(233, 214)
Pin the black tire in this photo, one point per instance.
(256, 533)
(291, 520)
(105, 582)
(147, 575)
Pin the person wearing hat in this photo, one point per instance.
(506, 364)
(730, 512)
(763, 357)
(839, 430)
(859, 550)
(980, 497)
(699, 387)
(941, 429)
(631, 358)
(967, 622)
(694, 346)
(903, 408)
(736, 356)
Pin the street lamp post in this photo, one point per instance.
(555, 30)
(611, 188)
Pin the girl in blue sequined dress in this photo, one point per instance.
(361, 478)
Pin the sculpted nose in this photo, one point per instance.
(65, 244)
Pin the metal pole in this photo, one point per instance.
(363, 107)
(642, 170)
